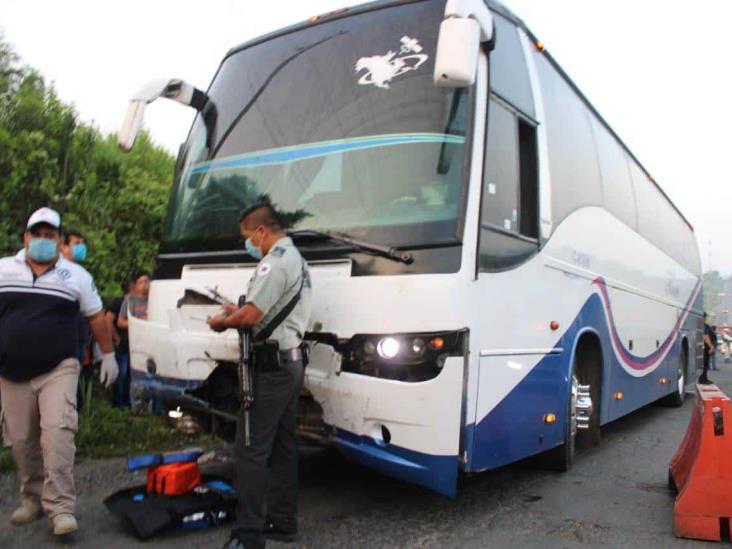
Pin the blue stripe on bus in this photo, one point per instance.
(438, 473)
(314, 150)
(514, 429)
(159, 387)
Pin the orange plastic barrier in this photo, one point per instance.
(701, 469)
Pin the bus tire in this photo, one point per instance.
(560, 458)
(586, 372)
(589, 373)
(676, 399)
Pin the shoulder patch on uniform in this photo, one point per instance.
(278, 251)
(63, 274)
(264, 269)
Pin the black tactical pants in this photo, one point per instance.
(267, 468)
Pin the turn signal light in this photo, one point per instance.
(618, 396)
(540, 45)
(550, 418)
(663, 380)
(437, 343)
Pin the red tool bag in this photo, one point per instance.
(174, 479)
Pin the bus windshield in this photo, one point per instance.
(338, 125)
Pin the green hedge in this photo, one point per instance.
(48, 157)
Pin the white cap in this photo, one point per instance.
(45, 215)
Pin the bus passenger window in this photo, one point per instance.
(529, 187)
(501, 178)
(509, 210)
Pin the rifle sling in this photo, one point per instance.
(279, 318)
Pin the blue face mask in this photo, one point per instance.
(42, 250)
(254, 251)
(78, 252)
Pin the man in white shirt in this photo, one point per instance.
(41, 294)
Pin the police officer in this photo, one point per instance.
(267, 466)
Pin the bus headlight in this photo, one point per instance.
(369, 348)
(388, 347)
(418, 346)
(406, 357)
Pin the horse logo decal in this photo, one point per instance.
(382, 69)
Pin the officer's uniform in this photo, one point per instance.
(267, 468)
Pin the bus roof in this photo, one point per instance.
(495, 6)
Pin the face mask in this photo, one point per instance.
(42, 250)
(254, 251)
(78, 252)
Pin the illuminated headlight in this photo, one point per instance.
(388, 347)
(401, 356)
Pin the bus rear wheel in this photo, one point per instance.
(676, 399)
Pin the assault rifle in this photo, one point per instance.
(244, 370)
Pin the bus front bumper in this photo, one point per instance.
(411, 431)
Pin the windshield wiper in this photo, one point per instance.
(385, 251)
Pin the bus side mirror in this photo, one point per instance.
(467, 23)
(456, 60)
(177, 90)
(131, 125)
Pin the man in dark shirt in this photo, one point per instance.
(40, 295)
(134, 304)
(708, 350)
(713, 352)
(121, 387)
(74, 250)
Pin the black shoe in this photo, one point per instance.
(274, 532)
(704, 380)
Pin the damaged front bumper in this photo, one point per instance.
(410, 431)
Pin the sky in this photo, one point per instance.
(656, 70)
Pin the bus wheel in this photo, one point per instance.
(560, 458)
(582, 423)
(676, 399)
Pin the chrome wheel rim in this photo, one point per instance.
(681, 382)
(574, 392)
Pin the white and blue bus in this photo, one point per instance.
(495, 275)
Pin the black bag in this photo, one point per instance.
(144, 515)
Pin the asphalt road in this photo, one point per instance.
(616, 495)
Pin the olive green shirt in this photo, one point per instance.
(274, 283)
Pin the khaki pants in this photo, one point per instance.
(39, 421)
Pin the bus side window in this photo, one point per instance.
(509, 209)
(529, 180)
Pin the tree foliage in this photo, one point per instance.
(48, 157)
